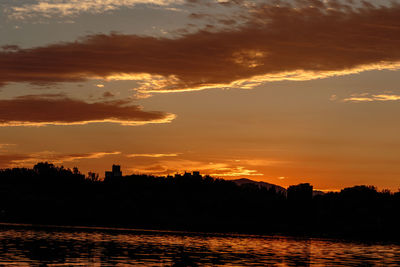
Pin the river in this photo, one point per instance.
(69, 246)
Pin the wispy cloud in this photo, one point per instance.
(52, 8)
(227, 168)
(152, 155)
(235, 172)
(30, 159)
(372, 98)
(40, 110)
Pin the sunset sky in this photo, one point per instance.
(276, 91)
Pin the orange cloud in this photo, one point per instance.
(39, 110)
(155, 155)
(225, 168)
(235, 172)
(277, 42)
(372, 98)
(12, 160)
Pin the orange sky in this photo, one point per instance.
(283, 92)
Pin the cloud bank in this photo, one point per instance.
(39, 110)
(52, 8)
(278, 42)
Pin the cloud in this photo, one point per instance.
(277, 42)
(6, 160)
(12, 160)
(152, 155)
(39, 110)
(3, 146)
(53, 8)
(226, 168)
(175, 166)
(372, 98)
(235, 172)
(108, 94)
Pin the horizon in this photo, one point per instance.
(192, 173)
(282, 92)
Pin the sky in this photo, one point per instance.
(283, 92)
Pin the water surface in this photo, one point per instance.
(52, 246)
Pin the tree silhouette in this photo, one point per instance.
(54, 195)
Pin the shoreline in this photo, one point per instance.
(164, 231)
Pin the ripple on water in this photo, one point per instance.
(79, 247)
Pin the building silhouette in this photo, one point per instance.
(115, 173)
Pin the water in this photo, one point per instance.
(25, 246)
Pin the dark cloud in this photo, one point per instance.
(10, 47)
(227, 21)
(312, 36)
(198, 15)
(59, 109)
(108, 94)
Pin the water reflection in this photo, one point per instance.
(77, 247)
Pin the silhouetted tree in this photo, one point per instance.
(55, 195)
(93, 177)
(300, 192)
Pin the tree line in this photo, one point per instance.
(48, 194)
